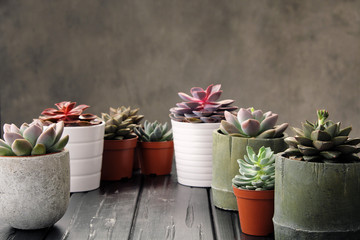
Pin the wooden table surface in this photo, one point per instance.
(144, 207)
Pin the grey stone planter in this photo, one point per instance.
(34, 190)
(316, 200)
(226, 151)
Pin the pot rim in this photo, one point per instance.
(119, 144)
(157, 145)
(85, 127)
(194, 124)
(252, 138)
(34, 156)
(253, 194)
(281, 155)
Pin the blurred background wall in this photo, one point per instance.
(288, 56)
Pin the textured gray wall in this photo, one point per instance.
(291, 57)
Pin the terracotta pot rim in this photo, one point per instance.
(120, 144)
(157, 145)
(252, 194)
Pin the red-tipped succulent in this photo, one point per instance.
(70, 114)
(202, 106)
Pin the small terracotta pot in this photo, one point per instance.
(156, 157)
(118, 159)
(137, 157)
(256, 209)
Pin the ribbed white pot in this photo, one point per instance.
(193, 152)
(85, 145)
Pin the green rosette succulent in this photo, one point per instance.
(154, 132)
(32, 139)
(250, 123)
(322, 141)
(257, 171)
(120, 123)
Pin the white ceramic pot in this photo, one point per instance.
(193, 152)
(85, 145)
(34, 190)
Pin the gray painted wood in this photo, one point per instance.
(168, 210)
(105, 213)
(227, 225)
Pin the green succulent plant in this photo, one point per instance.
(154, 132)
(322, 141)
(120, 123)
(32, 139)
(257, 171)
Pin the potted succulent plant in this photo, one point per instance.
(317, 194)
(193, 122)
(156, 147)
(34, 175)
(254, 191)
(86, 132)
(120, 142)
(249, 127)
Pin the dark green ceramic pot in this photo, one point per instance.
(226, 151)
(316, 200)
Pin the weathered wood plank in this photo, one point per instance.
(168, 210)
(227, 225)
(106, 213)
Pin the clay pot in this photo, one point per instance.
(256, 209)
(118, 159)
(156, 157)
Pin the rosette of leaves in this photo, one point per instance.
(257, 171)
(322, 141)
(252, 123)
(32, 139)
(70, 114)
(154, 132)
(120, 123)
(202, 106)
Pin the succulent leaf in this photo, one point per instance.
(250, 127)
(21, 147)
(32, 134)
(47, 137)
(10, 137)
(39, 149)
(4, 151)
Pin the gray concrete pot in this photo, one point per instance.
(34, 190)
(226, 151)
(316, 200)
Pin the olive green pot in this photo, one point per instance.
(226, 151)
(316, 200)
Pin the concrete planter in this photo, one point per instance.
(316, 200)
(193, 152)
(226, 151)
(34, 190)
(85, 145)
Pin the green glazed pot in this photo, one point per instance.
(226, 151)
(316, 200)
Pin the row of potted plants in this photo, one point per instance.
(209, 140)
(315, 173)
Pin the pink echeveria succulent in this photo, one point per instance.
(252, 123)
(202, 106)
